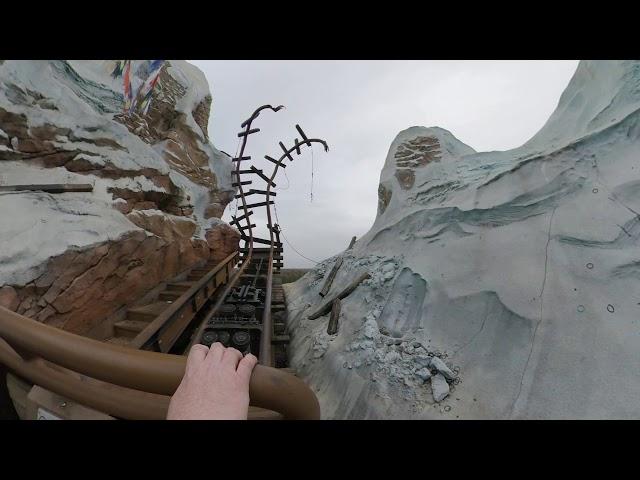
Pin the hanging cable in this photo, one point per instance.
(311, 173)
(285, 238)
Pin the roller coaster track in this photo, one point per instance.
(234, 319)
(136, 381)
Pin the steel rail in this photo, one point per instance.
(175, 310)
(266, 357)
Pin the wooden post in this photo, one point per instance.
(332, 275)
(332, 328)
(326, 307)
(51, 188)
(353, 241)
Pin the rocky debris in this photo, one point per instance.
(442, 368)
(439, 387)
(423, 373)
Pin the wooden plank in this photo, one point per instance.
(332, 328)
(50, 188)
(332, 275)
(260, 204)
(244, 133)
(286, 152)
(326, 307)
(304, 137)
(262, 176)
(273, 160)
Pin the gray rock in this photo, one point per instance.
(422, 360)
(442, 368)
(423, 373)
(392, 356)
(439, 387)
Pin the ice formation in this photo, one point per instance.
(504, 284)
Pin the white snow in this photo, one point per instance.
(36, 226)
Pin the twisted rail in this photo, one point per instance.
(266, 357)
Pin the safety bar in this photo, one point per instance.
(141, 371)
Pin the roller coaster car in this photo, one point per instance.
(234, 326)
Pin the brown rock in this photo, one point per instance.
(145, 205)
(168, 228)
(406, 178)
(223, 240)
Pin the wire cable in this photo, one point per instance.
(288, 242)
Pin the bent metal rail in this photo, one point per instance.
(137, 384)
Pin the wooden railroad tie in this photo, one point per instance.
(332, 327)
(332, 275)
(326, 307)
(50, 188)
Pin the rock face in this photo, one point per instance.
(159, 187)
(516, 269)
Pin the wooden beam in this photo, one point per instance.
(332, 328)
(244, 133)
(262, 176)
(332, 275)
(260, 204)
(326, 307)
(50, 188)
(273, 160)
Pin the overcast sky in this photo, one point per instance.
(358, 107)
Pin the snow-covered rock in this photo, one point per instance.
(439, 388)
(517, 269)
(159, 186)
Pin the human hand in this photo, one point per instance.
(215, 385)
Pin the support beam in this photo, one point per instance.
(332, 328)
(286, 152)
(326, 307)
(245, 133)
(262, 176)
(261, 204)
(273, 160)
(304, 137)
(332, 274)
(50, 188)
